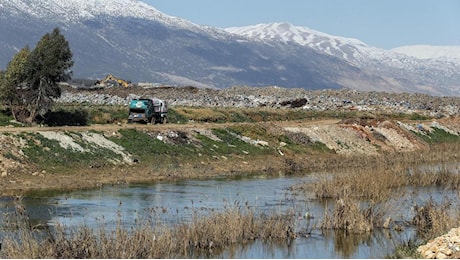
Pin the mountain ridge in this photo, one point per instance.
(394, 65)
(135, 41)
(421, 51)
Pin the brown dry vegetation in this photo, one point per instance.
(376, 177)
(377, 180)
(147, 239)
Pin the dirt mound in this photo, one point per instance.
(366, 137)
(11, 154)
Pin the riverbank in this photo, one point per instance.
(69, 158)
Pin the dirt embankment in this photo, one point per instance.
(349, 138)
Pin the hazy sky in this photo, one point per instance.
(380, 23)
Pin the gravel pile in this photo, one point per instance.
(443, 247)
(276, 97)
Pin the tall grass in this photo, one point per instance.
(377, 178)
(433, 219)
(348, 216)
(147, 238)
(364, 189)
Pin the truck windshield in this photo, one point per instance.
(139, 104)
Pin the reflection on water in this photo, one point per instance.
(179, 201)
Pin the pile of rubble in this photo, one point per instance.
(443, 247)
(276, 97)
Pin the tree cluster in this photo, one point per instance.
(29, 85)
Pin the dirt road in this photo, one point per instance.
(160, 127)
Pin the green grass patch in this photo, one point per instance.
(417, 116)
(232, 143)
(7, 119)
(146, 147)
(438, 136)
(54, 158)
(149, 149)
(175, 117)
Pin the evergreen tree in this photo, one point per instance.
(49, 63)
(12, 80)
(31, 80)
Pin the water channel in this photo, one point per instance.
(174, 202)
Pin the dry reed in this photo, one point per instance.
(376, 178)
(146, 239)
(349, 216)
(433, 219)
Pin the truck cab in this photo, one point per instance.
(148, 110)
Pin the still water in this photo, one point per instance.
(175, 202)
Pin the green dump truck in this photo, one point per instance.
(148, 110)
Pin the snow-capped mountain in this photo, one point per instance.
(76, 11)
(430, 52)
(290, 34)
(137, 42)
(433, 75)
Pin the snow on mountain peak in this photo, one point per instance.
(304, 36)
(287, 32)
(394, 62)
(76, 10)
(429, 51)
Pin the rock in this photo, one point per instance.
(441, 256)
(447, 252)
(429, 255)
(261, 143)
(4, 173)
(441, 247)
